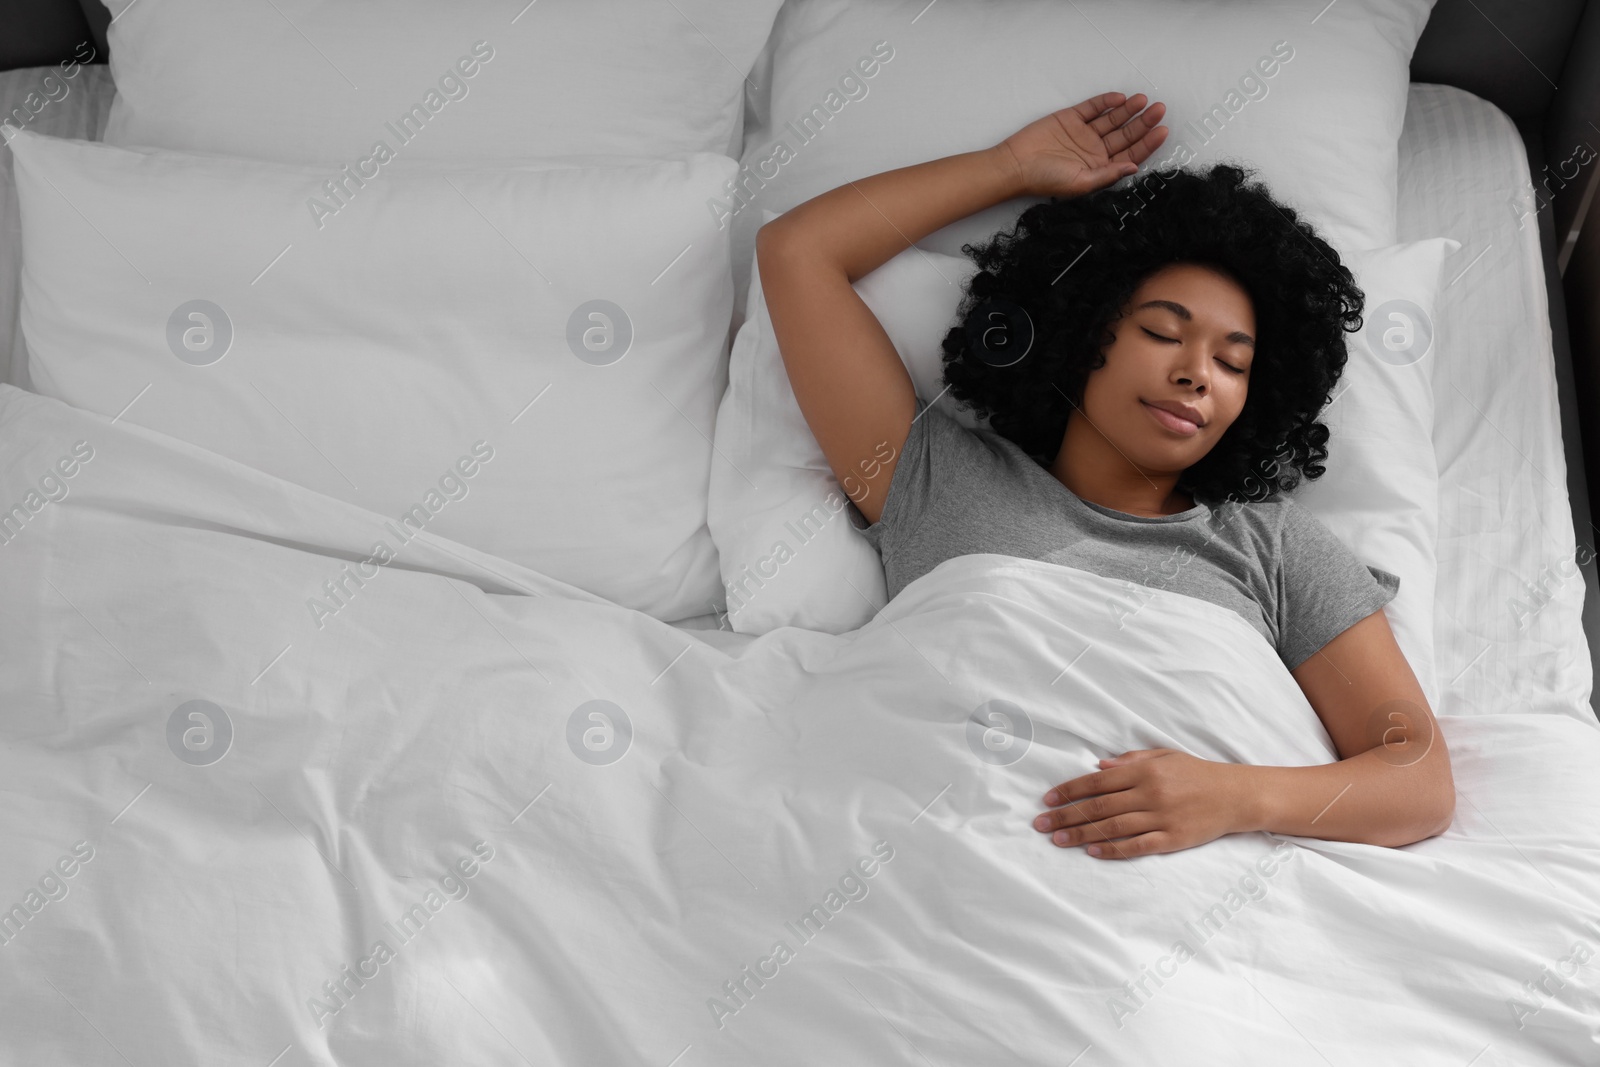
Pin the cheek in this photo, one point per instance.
(1233, 402)
(1123, 371)
(1104, 392)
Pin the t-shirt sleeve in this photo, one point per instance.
(937, 449)
(1323, 587)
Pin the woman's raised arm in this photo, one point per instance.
(849, 381)
(847, 377)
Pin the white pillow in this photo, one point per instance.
(792, 553)
(311, 82)
(440, 309)
(1380, 493)
(864, 86)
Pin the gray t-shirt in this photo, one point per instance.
(956, 492)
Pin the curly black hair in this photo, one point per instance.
(1304, 299)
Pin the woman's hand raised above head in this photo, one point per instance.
(1087, 146)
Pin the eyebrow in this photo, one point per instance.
(1182, 312)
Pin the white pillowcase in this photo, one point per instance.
(438, 309)
(791, 551)
(304, 81)
(864, 86)
(1380, 493)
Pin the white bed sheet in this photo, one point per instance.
(1504, 515)
(260, 881)
(383, 751)
(1505, 520)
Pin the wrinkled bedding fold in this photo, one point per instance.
(449, 809)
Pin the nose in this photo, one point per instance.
(1192, 373)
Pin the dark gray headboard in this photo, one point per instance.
(38, 33)
(1527, 57)
(1538, 60)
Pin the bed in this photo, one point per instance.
(477, 811)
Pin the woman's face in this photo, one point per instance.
(1185, 337)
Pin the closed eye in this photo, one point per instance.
(1174, 340)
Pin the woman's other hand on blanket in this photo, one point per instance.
(1145, 801)
(1087, 146)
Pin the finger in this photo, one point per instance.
(1089, 810)
(1119, 118)
(1147, 844)
(1142, 149)
(1107, 831)
(1134, 756)
(1095, 106)
(1088, 785)
(1104, 123)
(1111, 172)
(1126, 134)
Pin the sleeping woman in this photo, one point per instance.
(1152, 380)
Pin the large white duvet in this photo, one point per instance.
(466, 814)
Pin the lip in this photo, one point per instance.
(1177, 423)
